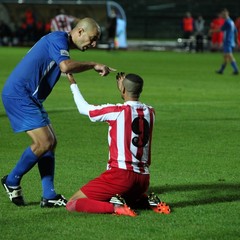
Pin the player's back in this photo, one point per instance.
(130, 137)
(31, 71)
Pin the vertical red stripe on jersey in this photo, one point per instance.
(58, 23)
(152, 113)
(128, 136)
(113, 150)
(141, 135)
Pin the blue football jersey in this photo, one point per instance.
(38, 71)
(229, 32)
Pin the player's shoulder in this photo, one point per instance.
(228, 21)
(57, 38)
(57, 34)
(149, 107)
(105, 107)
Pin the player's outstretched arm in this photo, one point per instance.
(71, 79)
(82, 105)
(103, 70)
(71, 66)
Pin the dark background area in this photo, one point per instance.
(146, 19)
(155, 19)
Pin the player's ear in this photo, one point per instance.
(80, 31)
(123, 89)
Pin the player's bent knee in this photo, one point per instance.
(40, 148)
(71, 206)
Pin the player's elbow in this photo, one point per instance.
(65, 66)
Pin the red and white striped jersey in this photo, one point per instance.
(129, 134)
(62, 22)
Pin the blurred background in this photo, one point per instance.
(25, 21)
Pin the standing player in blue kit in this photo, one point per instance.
(230, 36)
(24, 92)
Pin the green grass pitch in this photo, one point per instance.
(195, 152)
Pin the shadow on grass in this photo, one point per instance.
(32, 203)
(196, 194)
(201, 194)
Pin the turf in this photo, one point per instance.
(195, 152)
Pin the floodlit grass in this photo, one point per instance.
(195, 152)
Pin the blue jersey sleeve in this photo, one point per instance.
(58, 50)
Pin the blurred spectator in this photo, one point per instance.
(188, 27)
(5, 34)
(30, 25)
(39, 30)
(111, 29)
(47, 27)
(216, 37)
(21, 31)
(25, 32)
(121, 34)
(199, 33)
(63, 22)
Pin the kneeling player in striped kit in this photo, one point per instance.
(125, 182)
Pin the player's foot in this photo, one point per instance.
(219, 72)
(14, 194)
(58, 201)
(121, 208)
(157, 205)
(235, 73)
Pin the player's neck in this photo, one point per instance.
(70, 39)
(126, 99)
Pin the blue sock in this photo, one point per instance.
(234, 65)
(222, 67)
(26, 162)
(46, 165)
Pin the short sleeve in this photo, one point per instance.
(105, 112)
(58, 48)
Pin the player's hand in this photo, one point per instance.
(103, 70)
(71, 78)
(120, 76)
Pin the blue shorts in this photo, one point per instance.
(227, 48)
(25, 114)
